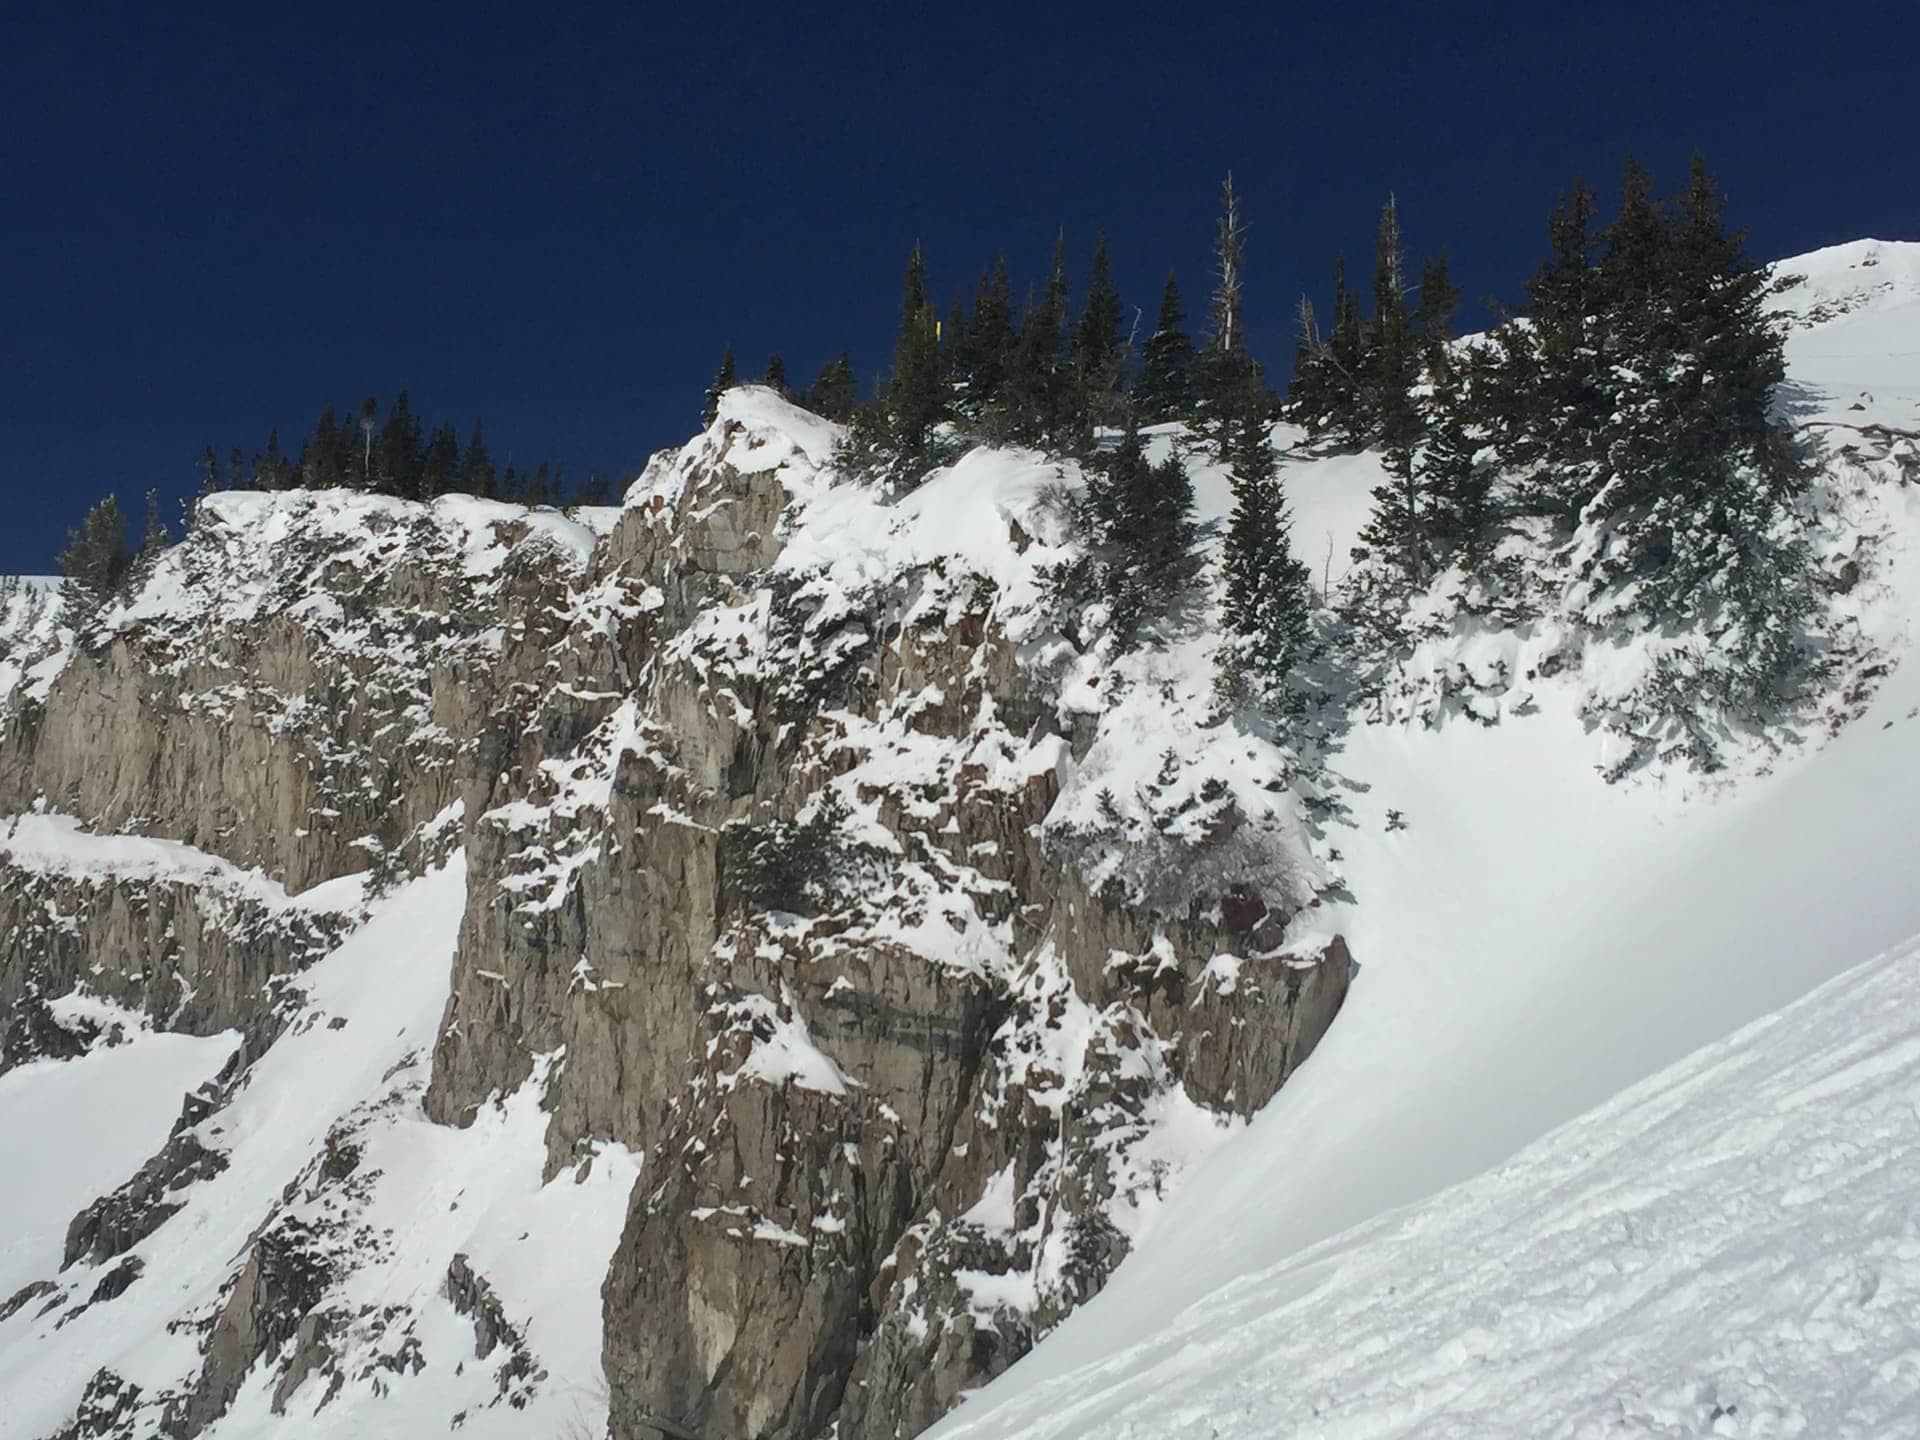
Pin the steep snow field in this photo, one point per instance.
(1533, 941)
(1727, 1249)
(357, 1052)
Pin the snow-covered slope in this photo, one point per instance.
(887, 1146)
(1535, 939)
(1726, 1249)
(332, 1108)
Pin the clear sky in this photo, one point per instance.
(217, 219)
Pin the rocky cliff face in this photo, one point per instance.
(894, 1125)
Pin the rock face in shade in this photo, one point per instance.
(888, 1141)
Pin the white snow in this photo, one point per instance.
(1535, 939)
(1727, 1249)
(1724, 1250)
(356, 1058)
(80, 1129)
(58, 845)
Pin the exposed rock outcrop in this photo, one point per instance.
(889, 1141)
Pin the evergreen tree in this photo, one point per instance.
(724, 381)
(776, 376)
(1164, 390)
(1035, 400)
(1392, 359)
(1433, 315)
(1268, 611)
(95, 560)
(475, 475)
(1347, 360)
(271, 469)
(1098, 347)
(834, 393)
(984, 351)
(916, 400)
(440, 464)
(328, 462)
(1543, 395)
(1141, 518)
(1224, 373)
(1458, 489)
(1398, 528)
(396, 451)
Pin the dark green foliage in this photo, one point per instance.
(1458, 488)
(1138, 518)
(1164, 390)
(327, 462)
(396, 451)
(1438, 303)
(1268, 611)
(797, 866)
(272, 470)
(96, 560)
(1393, 359)
(1098, 348)
(835, 393)
(1226, 381)
(984, 350)
(476, 476)
(440, 464)
(776, 377)
(916, 399)
(1326, 396)
(724, 380)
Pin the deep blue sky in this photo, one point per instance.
(217, 220)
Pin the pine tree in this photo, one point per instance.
(1397, 529)
(1035, 400)
(834, 393)
(776, 377)
(440, 464)
(1458, 489)
(1392, 359)
(396, 451)
(95, 560)
(724, 381)
(1098, 347)
(985, 352)
(1543, 395)
(1347, 364)
(1164, 390)
(1268, 611)
(1141, 518)
(271, 470)
(329, 462)
(916, 400)
(1224, 373)
(1433, 315)
(475, 475)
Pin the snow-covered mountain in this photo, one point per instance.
(390, 1048)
